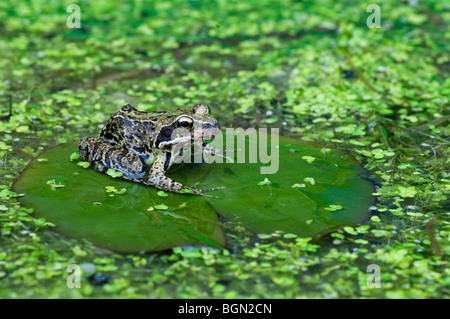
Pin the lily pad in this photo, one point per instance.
(314, 191)
(84, 203)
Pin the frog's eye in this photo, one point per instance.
(185, 122)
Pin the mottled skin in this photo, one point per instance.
(133, 142)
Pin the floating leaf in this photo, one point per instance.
(162, 194)
(83, 209)
(350, 230)
(82, 164)
(113, 173)
(333, 177)
(299, 199)
(308, 159)
(333, 208)
(264, 182)
(74, 156)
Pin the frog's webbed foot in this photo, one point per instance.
(202, 191)
(157, 179)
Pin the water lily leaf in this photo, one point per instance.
(95, 206)
(306, 198)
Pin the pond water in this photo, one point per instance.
(378, 94)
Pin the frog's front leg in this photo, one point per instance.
(157, 179)
(103, 155)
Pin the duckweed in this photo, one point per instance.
(314, 69)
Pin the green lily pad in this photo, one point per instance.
(84, 203)
(314, 191)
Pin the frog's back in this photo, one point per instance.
(128, 126)
(129, 112)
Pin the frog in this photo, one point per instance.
(144, 145)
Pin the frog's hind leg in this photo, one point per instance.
(103, 156)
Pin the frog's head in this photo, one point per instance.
(188, 126)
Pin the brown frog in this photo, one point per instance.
(135, 142)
